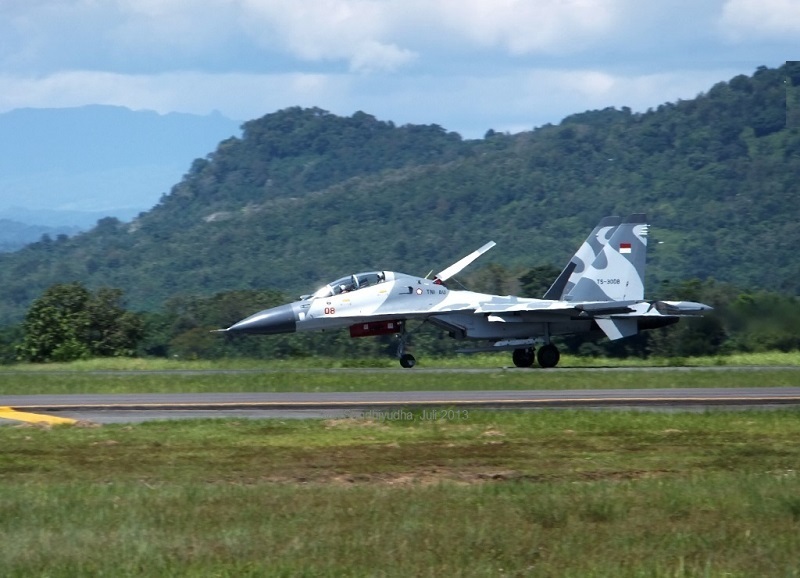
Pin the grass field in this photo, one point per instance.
(455, 493)
(487, 360)
(478, 493)
(161, 376)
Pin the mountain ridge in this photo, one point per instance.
(304, 196)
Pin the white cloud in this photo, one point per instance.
(467, 65)
(161, 27)
(356, 31)
(366, 35)
(373, 56)
(530, 26)
(765, 19)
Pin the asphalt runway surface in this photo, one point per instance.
(115, 408)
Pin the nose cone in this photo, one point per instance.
(281, 319)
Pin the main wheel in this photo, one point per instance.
(548, 355)
(523, 357)
(407, 360)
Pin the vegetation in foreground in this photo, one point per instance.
(475, 361)
(69, 322)
(137, 376)
(568, 493)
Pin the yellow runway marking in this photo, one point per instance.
(10, 413)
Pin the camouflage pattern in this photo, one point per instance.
(617, 272)
(583, 258)
(601, 289)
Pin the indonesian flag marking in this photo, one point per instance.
(624, 247)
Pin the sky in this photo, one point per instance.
(466, 65)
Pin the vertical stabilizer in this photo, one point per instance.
(583, 258)
(617, 272)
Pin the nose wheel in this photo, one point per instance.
(407, 360)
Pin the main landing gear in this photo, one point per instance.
(523, 357)
(547, 356)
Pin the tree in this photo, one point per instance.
(537, 280)
(56, 325)
(112, 331)
(10, 338)
(68, 322)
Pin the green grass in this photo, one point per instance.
(390, 380)
(487, 360)
(548, 493)
(163, 376)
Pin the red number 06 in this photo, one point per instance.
(330, 310)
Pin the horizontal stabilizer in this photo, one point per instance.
(681, 308)
(618, 328)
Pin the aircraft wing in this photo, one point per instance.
(562, 307)
(617, 319)
(599, 308)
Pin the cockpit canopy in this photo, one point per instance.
(350, 283)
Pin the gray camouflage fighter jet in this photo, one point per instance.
(600, 290)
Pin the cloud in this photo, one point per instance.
(170, 28)
(356, 31)
(530, 26)
(363, 36)
(467, 65)
(776, 20)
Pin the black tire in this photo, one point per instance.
(548, 355)
(407, 360)
(523, 357)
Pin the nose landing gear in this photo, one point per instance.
(407, 360)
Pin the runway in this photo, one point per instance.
(110, 408)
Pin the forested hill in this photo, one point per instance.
(305, 196)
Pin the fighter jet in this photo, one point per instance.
(601, 289)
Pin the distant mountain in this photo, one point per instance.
(305, 196)
(104, 160)
(16, 229)
(77, 220)
(14, 235)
